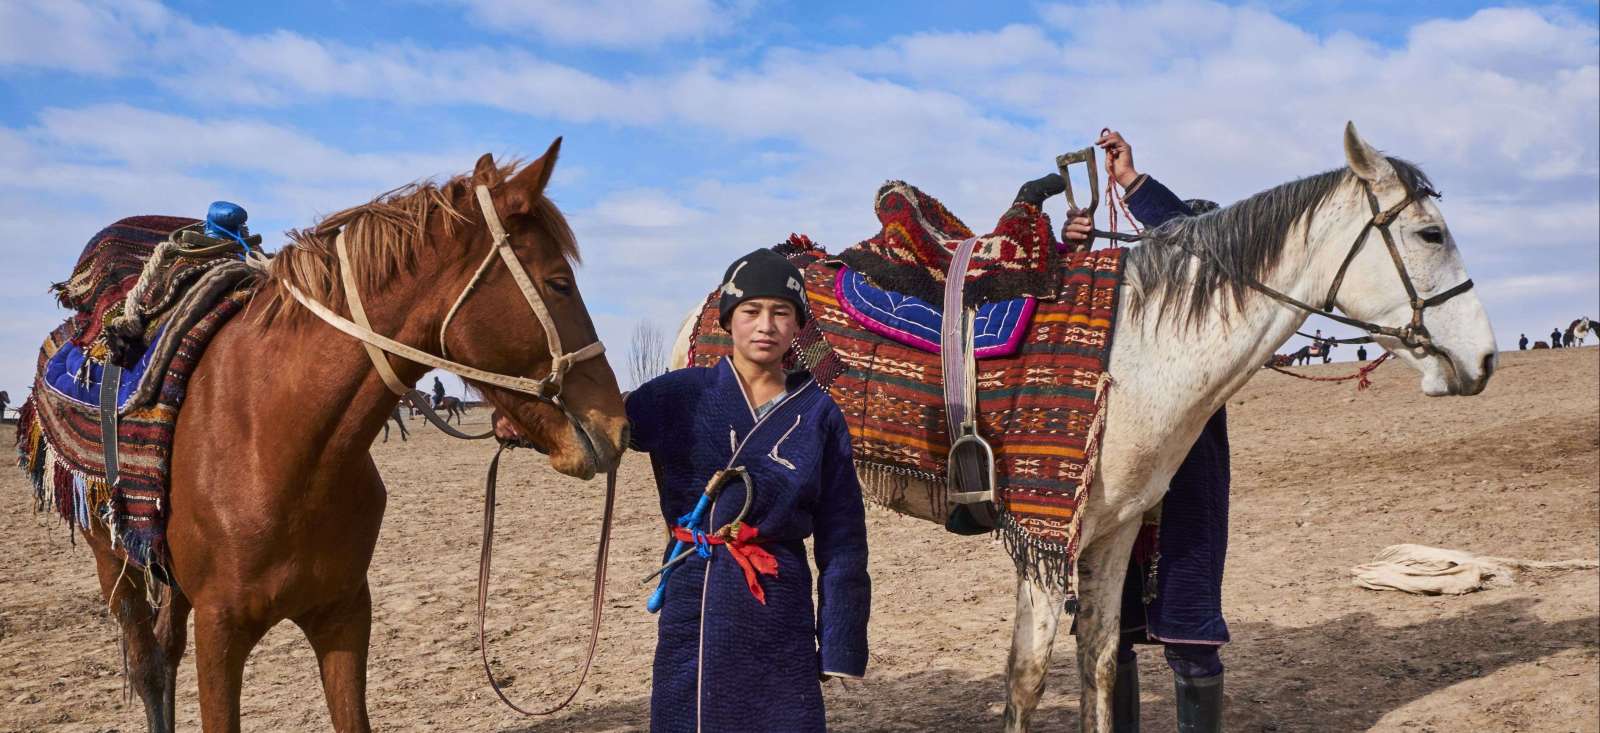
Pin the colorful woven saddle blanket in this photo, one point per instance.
(148, 295)
(911, 253)
(998, 326)
(1039, 407)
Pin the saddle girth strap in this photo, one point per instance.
(110, 382)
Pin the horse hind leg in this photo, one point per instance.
(152, 640)
(1033, 635)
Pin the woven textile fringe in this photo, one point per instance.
(887, 486)
(1049, 563)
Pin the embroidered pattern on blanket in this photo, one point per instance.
(998, 326)
(912, 252)
(1040, 408)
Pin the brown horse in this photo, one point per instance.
(274, 510)
(453, 407)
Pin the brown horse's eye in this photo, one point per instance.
(561, 285)
(1432, 235)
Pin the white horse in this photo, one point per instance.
(1192, 331)
(1579, 330)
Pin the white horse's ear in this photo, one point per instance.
(1366, 161)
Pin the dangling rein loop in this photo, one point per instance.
(596, 610)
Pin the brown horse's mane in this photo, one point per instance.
(383, 236)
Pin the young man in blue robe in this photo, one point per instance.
(740, 647)
(1184, 612)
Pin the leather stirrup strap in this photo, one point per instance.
(953, 343)
(596, 608)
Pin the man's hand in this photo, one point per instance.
(1075, 235)
(1119, 157)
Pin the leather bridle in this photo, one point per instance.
(1414, 335)
(545, 389)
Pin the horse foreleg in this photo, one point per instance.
(1102, 567)
(223, 638)
(150, 660)
(340, 635)
(1033, 634)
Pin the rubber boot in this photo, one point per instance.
(1125, 697)
(1199, 701)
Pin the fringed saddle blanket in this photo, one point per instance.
(912, 252)
(1040, 408)
(149, 294)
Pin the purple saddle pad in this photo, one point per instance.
(912, 321)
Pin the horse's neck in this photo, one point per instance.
(1174, 375)
(326, 378)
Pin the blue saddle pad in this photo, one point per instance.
(906, 319)
(73, 375)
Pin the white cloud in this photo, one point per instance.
(85, 37)
(147, 139)
(610, 23)
(1502, 108)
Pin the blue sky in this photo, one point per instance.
(696, 130)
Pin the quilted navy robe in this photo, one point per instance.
(1187, 603)
(724, 661)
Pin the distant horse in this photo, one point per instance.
(1201, 272)
(275, 506)
(395, 416)
(452, 407)
(1577, 332)
(1540, 345)
(5, 399)
(1299, 356)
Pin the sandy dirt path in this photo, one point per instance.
(1325, 477)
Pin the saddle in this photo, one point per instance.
(911, 254)
(1038, 408)
(148, 293)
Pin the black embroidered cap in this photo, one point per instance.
(761, 274)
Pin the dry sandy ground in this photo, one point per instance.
(1325, 478)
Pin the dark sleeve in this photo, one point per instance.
(645, 413)
(1154, 204)
(844, 591)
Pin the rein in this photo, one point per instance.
(546, 389)
(1414, 335)
(1361, 374)
(596, 608)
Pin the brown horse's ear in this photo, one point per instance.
(486, 173)
(528, 184)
